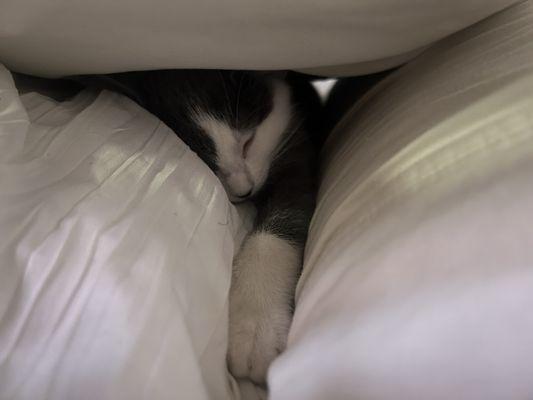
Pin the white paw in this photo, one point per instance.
(251, 391)
(265, 274)
(256, 336)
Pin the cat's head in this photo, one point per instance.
(234, 120)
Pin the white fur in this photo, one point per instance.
(264, 278)
(232, 169)
(269, 133)
(240, 174)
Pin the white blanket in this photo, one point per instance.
(346, 37)
(115, 254)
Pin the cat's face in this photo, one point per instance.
(233, 120)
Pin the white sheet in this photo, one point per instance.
(418, 281)
(339, 37)
(115, 254)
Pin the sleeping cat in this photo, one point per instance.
(255, 131)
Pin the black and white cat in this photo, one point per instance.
(257, 133)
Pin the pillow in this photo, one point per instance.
(418, 280)
(116, 254)
(340, 37)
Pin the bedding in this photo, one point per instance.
(116, 254)
(340, 37)
(418, 281)
(418, 278)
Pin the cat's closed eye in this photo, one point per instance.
(243, 169)
(247, 143)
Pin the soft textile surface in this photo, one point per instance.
(45, 37)
(419, 275)
(115, 258)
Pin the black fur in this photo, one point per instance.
(287, 202)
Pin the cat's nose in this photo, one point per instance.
(245, 195)
(238, 185)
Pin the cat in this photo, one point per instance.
(259, 133)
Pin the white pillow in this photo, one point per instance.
(51, 38)
(116, 254)
(418, 282)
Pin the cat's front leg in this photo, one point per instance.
(264, 278)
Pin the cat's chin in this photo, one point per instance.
(241, 199)
(238, 200)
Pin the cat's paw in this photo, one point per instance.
(256, 337)
(251, 391)
(265, 273)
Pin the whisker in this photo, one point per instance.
(282, 147)
(285, 149)
(253, 114)
(238, 99)
(226, 94)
